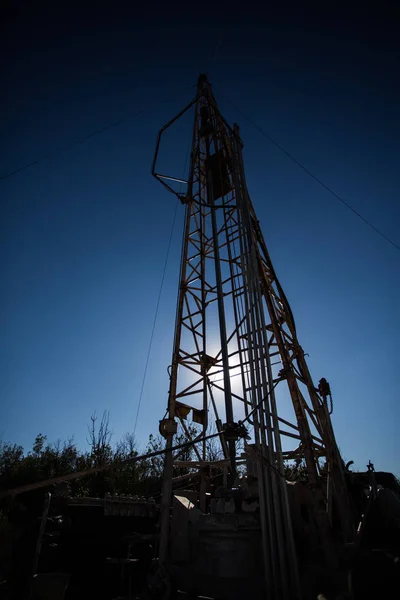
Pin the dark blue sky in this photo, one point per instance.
(84, 233)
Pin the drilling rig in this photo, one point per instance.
(242, 526)
(239, 371)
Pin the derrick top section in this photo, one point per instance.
(209, 125)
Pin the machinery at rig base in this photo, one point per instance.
(238, 369)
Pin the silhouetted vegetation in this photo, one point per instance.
(46, 460)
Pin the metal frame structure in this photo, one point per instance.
(236, 358)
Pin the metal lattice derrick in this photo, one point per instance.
(236, 356)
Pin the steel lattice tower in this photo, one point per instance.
(236, 356)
